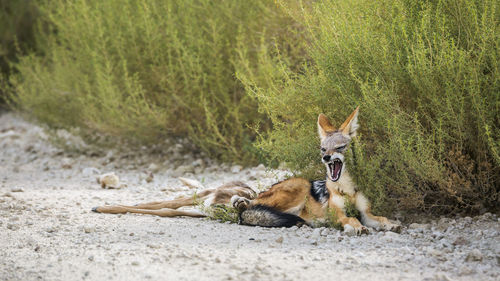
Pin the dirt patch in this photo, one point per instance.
(49, 233)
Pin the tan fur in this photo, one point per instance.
(324, 126)
(292, 196)
(295, 194)
(220, 195)
(346, 127)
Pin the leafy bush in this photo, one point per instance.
(223, 73)
(426, 75)
(16, 35)
(148, 69)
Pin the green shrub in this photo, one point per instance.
(224, 73)
(17, 19)
(149, 69)
(426, 77)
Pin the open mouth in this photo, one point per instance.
(335, 168)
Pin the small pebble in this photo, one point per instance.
(88, 229)
(236, 169)
(474, 255)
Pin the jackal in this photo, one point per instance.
(295, 201)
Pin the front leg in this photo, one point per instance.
(370, 220)
(336, 203)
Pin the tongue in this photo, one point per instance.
(336, 169)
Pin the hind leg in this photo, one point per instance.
(157, 205)
(161, 212)
(171, 204)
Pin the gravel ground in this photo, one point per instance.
(49, 233)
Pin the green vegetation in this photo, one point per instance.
(426, 75)
(330, 220)
(246, 80)
(350, 209)
(16, 36)
(221, 213)
(149, 69)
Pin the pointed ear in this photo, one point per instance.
(324, 126)
(350, 125)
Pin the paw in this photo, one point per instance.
(110, 209)
(362, 230)
(239, 203)
(358, 230)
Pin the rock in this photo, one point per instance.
(153, 168)
(279, 240)
(441, 277)
(325, 232)
(261, 167)
(109, 180)
(191, 183)
(316, 234)
(13, 218)
(474, 255)
(236, 169)
(391, 235)
(66, 163)
(88, 229)
(418, 226)
(459, 241)
(465, 270)
(91, 258)
(149, 178)
(51, 229)
(110, 156)
(135, 263)
(183, 169)
(437, 254)
(12, 226)
(9, 134)
(444, 243)
(437, 235)
(154, 246)
(198, 163)
(487, 216)
(16, 189)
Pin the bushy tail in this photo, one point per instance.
(260, 215)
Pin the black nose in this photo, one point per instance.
(326, 158)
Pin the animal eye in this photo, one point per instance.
(323, 149)
(341, 148)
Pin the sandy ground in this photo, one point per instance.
(47, 231)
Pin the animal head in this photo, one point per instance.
(335, 142)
